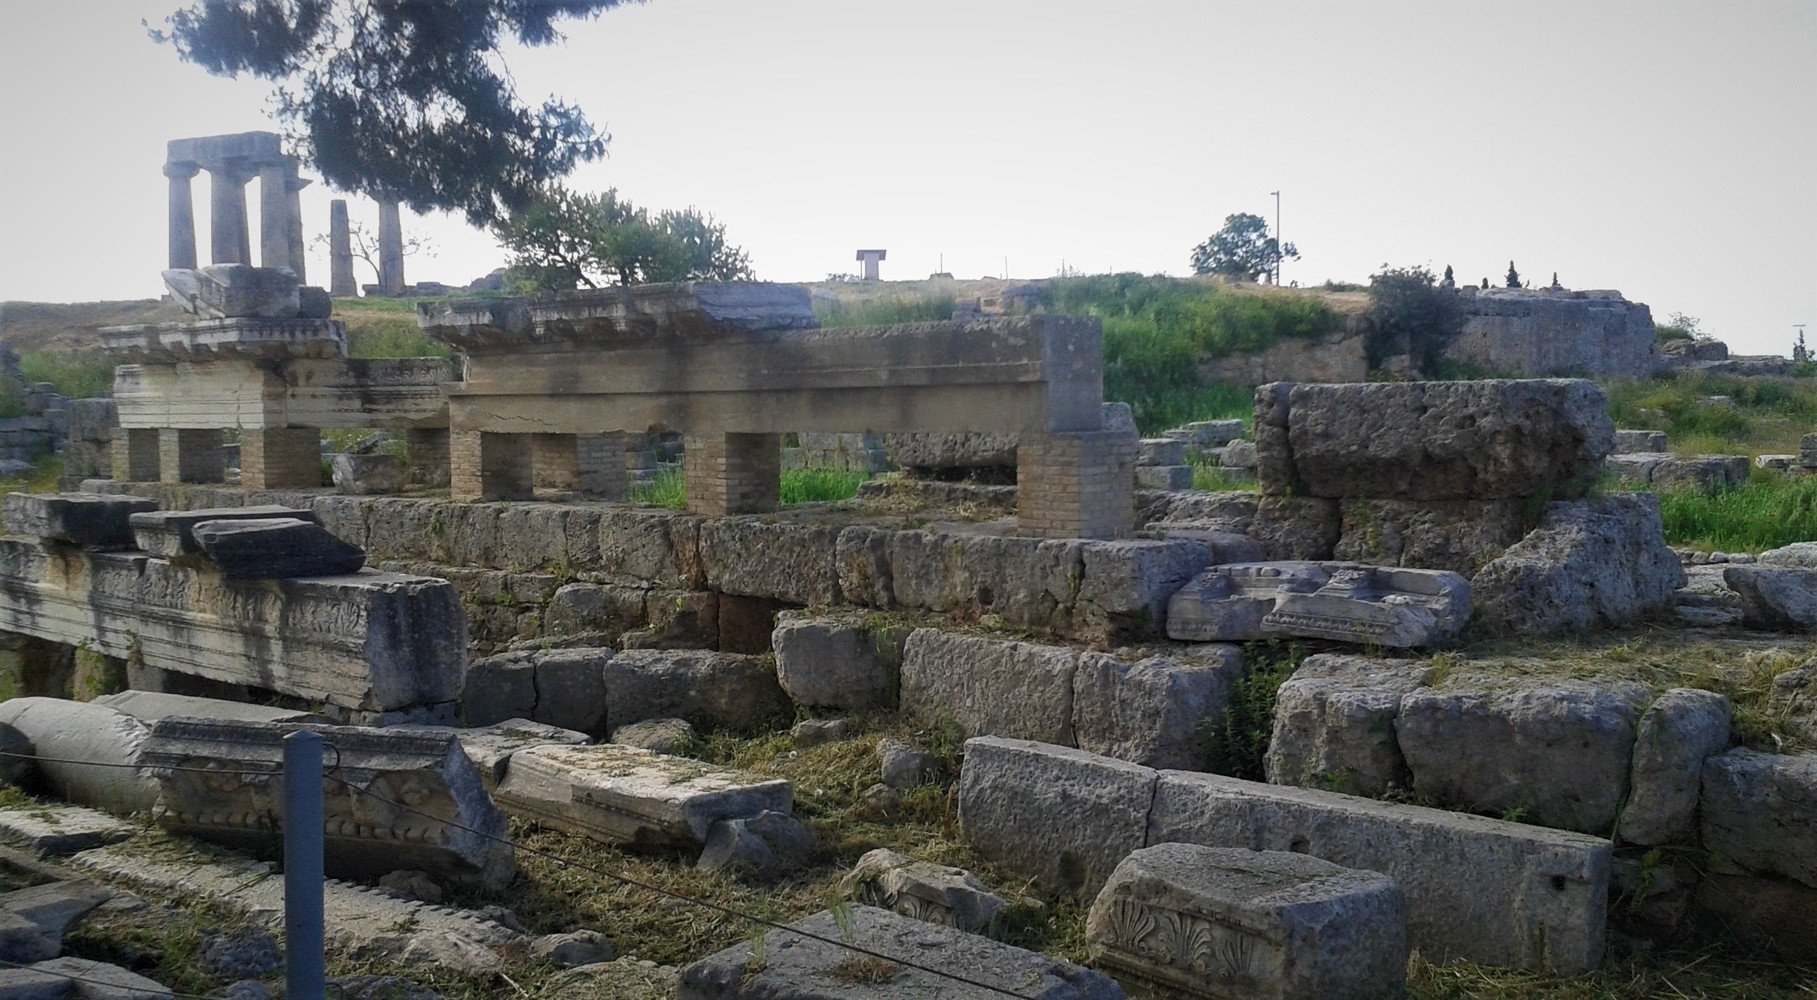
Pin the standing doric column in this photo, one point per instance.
(182, 215)
(229, 242)
(340, 254)
(391, 248)
(274, 216)
(293, 186)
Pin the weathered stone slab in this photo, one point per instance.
(492, 747)
(1334, 724)
(1164, 477)
(1349, 602)
(1629, 442)
(788, 561)
(1273, 924)
(111, 741)
(1487, 742)
(939, 894)
(1680, 730)
(33, 919)
(150, 706)
(1161, 451)
(1777, 598)
(1457, 535)
(1160, 711)
(275, 549)
(787, 966)
(84, 519)
(844, 663)
(56, 829)
(396, 799)
(988, 686)
(1064, 816)
(481, 325)
(1478, 440)
(1590, 564)
(1536, 898)
(99, 981)
(171, 533)
(622, 795)
(920, 454)
(701, 687)
(1758, 813)
(220, 291)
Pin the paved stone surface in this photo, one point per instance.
(1271, 923)
(792, 967)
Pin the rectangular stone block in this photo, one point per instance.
(790, 561)
(623, 795)
(1638, 442)
(171, 533)
(989, 687)
(1759, 811)
(1347, 602)
(84, 519)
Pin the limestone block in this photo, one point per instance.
(1558, 752)
(1758, 813)
(1065, 817)
(1225, 546)
(84, 519)
(1477, 440)
(903, 767)
(1275, 924)
(150, 706)
(33, 919)
(787, 561)
(1164, 477)
(1776, 598)
(368, 474)
(221, 291)
(275, 549)
(100, 981)
(1239, 455)
(171, 533)
(1285, 527)
(765, 845)
(1334, 724)
(839, 663)
(1632, 442)
(1537, 898)
(1590, 564)
(1457, 535)
(666, 736)
(1636, 468)
(1212, 433)
(702, 687)
(1776, 463)
(1029, 582)
(922, 453)
(498, 688)
(1776, 912)
(590, 607)
(1127, 585)
(938, 894)
(787, 966)
(1798, 554)
(57, 830)
(1160, 711)
(989, 687)
(623, 795)
(398, 798)
(491, 747)
(1679, 731)
(653, 547)
(1348, 602)
(1160, 451)
(81, 731)
(1705, 473)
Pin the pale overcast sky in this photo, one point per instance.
(1664, 149)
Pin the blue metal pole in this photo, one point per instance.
(304, 978)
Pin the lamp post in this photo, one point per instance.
(1277, 237)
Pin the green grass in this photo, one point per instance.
(1768, 417)
(76, 374)
(668, 489)
(42, 478)
(1767, 511)
(884, 311)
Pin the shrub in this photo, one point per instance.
(1409, 312)
(76, 374)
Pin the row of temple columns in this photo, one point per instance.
(230, 240)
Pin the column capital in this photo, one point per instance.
(181, 170)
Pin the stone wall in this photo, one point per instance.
(1554, 332)
(1341, 356)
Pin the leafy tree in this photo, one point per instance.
(405, 98)
(1242, 249)
(1513, 276)
(1409, 313)
(565, 240)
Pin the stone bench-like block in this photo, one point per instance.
(85, 519)
(1262, 923)
(394, 798)
(623, 795)
(1478, 889)
(275, 549)
(1348, 602)
(1634, 442)
(785, 966)
(171, 533)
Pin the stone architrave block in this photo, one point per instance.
(839, 663)
(701, 687)
(623, 795)
(86, 519)
(1348, 602)
(224, 291)
(492, 747)
(1270, 923)
(1064, 816)
(1488, 742)
(1678, 732)
(1479, 440)
(1334, 724)
(1759, 811)
(1160, 711)
(1531, 898)
(1590, 564)
(171, 533)
(275, 549)
(395, 798)
(1775, 598)
(988, 686)
(938, 894)
(787, 966)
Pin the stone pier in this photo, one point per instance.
(190, 456)
(391, 248)
(340, 252)
(280, 458)
(733, 473)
